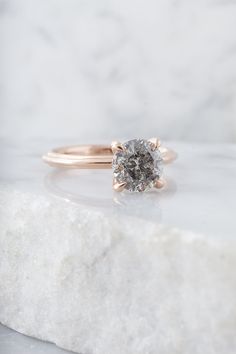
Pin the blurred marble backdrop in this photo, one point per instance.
(102, 69)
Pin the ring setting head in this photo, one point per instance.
(137, 165)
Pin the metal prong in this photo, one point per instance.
(116, 146)
(155, 143)
(119, 186)
(159, 183)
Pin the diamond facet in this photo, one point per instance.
(138, 165)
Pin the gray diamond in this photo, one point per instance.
(138, 165)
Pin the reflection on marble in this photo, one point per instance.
(93, 189)
(126, 68)
(98, 272)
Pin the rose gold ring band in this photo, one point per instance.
(91, 156)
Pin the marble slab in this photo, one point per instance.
(96, 271)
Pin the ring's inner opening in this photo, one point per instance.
(86, 150)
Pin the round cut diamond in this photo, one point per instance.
(138, 165)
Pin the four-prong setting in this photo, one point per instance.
(155, 143)
(116, 146)
(159, 183)
(137, 165)
(118, 186)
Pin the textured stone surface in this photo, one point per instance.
(96, 272)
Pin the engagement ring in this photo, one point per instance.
(137, 164)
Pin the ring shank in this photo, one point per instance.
(91, 156)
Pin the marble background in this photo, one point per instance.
(102, 69)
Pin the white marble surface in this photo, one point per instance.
(119, 67)
(98, 272)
